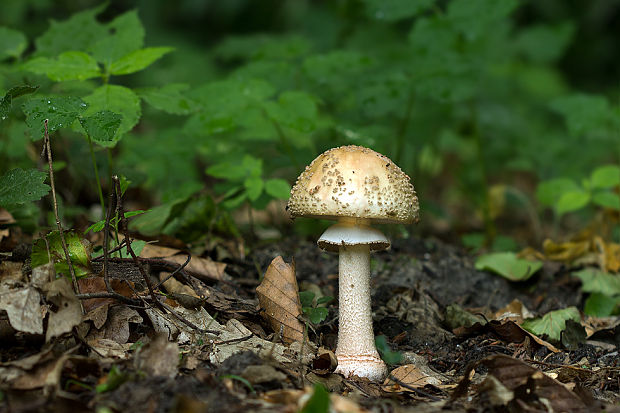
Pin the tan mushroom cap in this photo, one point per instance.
(355, 182)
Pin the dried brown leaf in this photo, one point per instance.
(409, 375)
(10, 270)
(160, 357)
(278, 296)
(5, 219)
(24, 309)
(69, 312)
(97, 285)
(201, 267)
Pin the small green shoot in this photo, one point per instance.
(318, 402)
(316, 311)
(115, 378)
(239, 379)
(387, 354)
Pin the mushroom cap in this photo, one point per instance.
(356, 182)
(348, 234)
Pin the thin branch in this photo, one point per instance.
(413, 389)
(106, 242)
(172, 274)
(48, 150)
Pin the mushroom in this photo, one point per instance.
(355, 186)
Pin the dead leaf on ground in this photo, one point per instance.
(205, 267)
(515, 311)
(294, 400)
(116, 327)
(263, 373)
(97, 285)
(410, 375)
(69, 311)
(159, 358)
(107, 348)
(98, 315)
(10, 270)
(531, 388)
(278, 296)
(23, 309)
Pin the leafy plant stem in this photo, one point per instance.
(402, 129)
(48, 150)
(96, 169)
(489, 226)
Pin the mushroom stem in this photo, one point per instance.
(356, 351)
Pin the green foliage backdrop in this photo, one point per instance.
(230, 100)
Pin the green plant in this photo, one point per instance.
(314, 309)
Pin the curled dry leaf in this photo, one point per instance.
(409, 375)
(278, 296)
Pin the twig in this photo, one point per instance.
(189, 323)
(111, 294)
(413, 389)
(125, 229)
(48, 150)
(172, 274)
(106, 241)
(233, 340)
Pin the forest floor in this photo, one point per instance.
(206, 347)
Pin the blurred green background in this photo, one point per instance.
(506, 114)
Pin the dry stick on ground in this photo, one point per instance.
(172, 274)
(147, 279)
(48, 150)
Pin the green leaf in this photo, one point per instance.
(596, 281)
(14, 92)
(138, 60)
(318, 402)
(475, 17)
(550, 192)
(392, 10)
(572, 201)
(574, 335)
(317, 314)
(600, 305)
(296, 110)
(254, 187)
(79, 253)
(508, 265)
(306, 298)
(227, 170)
(78, 32)
(586, 115)
(123, 35)
(18, 186)
(606, 199)
(117, 99)
(324, 300)
(70, 65)
(278, 188)
(12, 43)
(545, 43)
(114, 379)
(606, 176)
(236, 201)
(61, 112)
(387, 354)
(102, 127)
(170, 98)
(552, 323)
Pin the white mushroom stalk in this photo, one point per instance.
(356, 351)
(356, 186)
